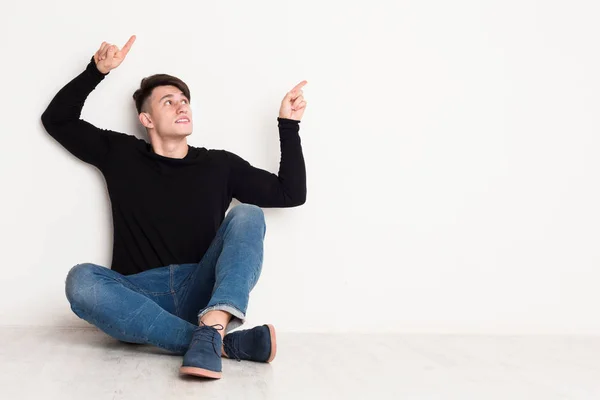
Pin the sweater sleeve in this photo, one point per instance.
(62, 119)
(256, 186)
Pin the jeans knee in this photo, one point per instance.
(80, 280)
(248, 213)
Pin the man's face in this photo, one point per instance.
(169, 112)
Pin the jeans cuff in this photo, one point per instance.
(237, 317)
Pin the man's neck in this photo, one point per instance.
(172, 148)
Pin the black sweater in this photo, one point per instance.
(167, 210)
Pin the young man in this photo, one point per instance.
(181, 271)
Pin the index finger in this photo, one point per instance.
(128, 45)
(299, 86)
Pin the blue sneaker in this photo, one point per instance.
(203, 357)
(256, 344)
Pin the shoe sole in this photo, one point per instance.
(201, 372)
(273, 343)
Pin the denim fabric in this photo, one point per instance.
(161, 306)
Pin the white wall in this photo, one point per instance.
(451, 150)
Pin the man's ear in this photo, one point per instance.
(146, 120)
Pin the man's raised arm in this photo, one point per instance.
(62, 117)
(288, 188)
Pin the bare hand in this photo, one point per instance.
(109, 56)
(293, 104)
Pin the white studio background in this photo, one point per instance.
(452, 154)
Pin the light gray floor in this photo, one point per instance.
(83, 363)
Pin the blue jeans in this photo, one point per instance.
(161, 306)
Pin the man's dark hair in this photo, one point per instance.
(152, 81)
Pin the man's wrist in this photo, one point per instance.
(287, 119)
(94, 68)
